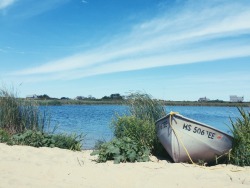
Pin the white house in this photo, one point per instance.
(34, 96)
(203, 99)
(235, 98)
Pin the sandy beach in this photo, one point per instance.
(24, 166)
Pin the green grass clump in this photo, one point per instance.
(16, 116)
(141, 131)
(240, 154)
(32, 138)
(4, 136)
(39, 139)
(122, 150)
(139, 125)
(68, 141)
(135, 134)
(143, 107)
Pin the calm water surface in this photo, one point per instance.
(95, 120)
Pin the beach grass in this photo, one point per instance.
(240, 154)
(17, 116)
(139, 125)
(23, 123)
(135, 132)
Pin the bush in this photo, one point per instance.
(140, 124)
(39, 139)
(66, 141)
(122, 150)
(141, 131)
(4, 136)
(240, 154)
(33, 138)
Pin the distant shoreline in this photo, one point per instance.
(59, 102)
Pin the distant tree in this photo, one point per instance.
(105, 98)
(43, 97)
(91, 97)
(80, 97)
(64, 98)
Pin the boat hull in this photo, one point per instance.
(184, 138)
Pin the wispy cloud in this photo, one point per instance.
(193, 32)
(30, 8)
(6, 3)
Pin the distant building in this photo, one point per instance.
(34, 96)
(235, 98)
(203, 99)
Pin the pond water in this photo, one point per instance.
(94, 121)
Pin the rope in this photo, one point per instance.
(171, 114)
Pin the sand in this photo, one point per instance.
(24, 166)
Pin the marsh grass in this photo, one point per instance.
(23, 123)
(139, 125)
(135, 133)
(143, 107)
(240, 154)
(17, 115)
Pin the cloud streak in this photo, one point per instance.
(193, 32)
(6, 3)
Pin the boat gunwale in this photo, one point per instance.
(194, 121)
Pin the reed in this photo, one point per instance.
(139, 125)
(23, 123)
(142, 106)
(240, 154)
(18, 115)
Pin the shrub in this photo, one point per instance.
(240, 154)
(33, 138)
(4, 136)
(122, 150)
(39, 139)
(141, 131)
(68, 141)
(139, 125)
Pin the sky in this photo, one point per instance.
(171, 49)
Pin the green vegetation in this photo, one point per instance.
(141, 131)
(22, 123)
(135, 132)
(117, 99)
(122, 150)
(240, 154)
(59, 102)
(140, 124)
(17, 116)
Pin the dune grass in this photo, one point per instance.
(17, 116)
(139, 125)
(135, 133)
(240, 154)
(22, 123)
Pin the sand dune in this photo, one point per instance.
(23, 166)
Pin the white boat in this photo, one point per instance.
(187, 140)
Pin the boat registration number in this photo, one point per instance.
(198, 130)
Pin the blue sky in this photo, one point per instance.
(171, 49)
